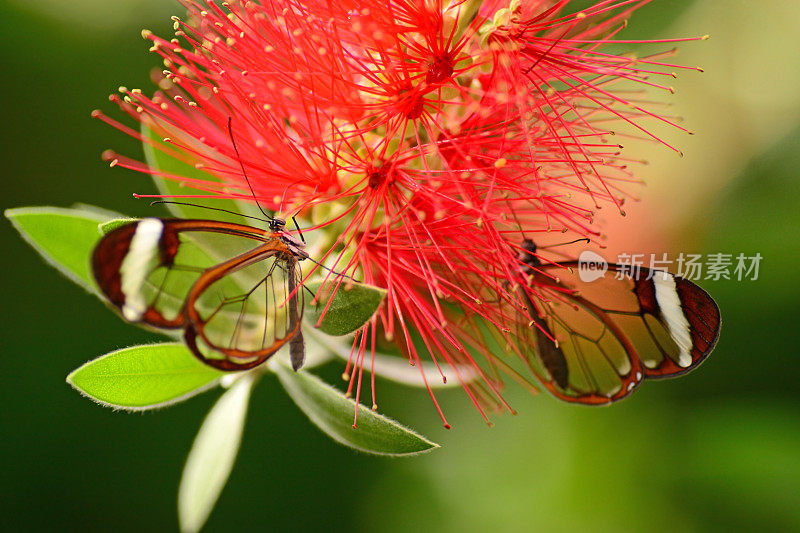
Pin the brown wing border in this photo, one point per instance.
(110, 252)
(700, 309)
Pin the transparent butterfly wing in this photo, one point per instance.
(239, 330)
(576, 352)
(613, 332)
(170, 282)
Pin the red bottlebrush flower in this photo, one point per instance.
(425, 139)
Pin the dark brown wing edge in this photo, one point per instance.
(107, 260)
(110, 252)
(699, 308)
(555, 361)
(705, 324)
(112, 249)
(235, 359)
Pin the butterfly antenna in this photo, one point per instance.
(280, 210)
(298, 229)
(241, 164)
(207, 207)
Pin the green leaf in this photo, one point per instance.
(144, 377)
(317, 353)
(163, 162)
(333, 413)
(111, 225)
(95, 211)
(65, 238)
(213, 453)
(353, 304)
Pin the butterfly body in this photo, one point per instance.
(593, 342)
(236, 308)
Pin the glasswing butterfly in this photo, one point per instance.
(235, 290)
(593, 342)
(236, 307)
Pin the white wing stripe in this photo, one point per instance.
(135, 267)
(672, 313)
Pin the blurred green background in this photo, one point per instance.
(716, 450)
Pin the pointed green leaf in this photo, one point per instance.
(353, 304)
(93, 211)
(213, 453)
(333, 413)
(65, 238)
(110, 225)
(144, 377)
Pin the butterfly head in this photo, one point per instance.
(277, 225)
(296, 246)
